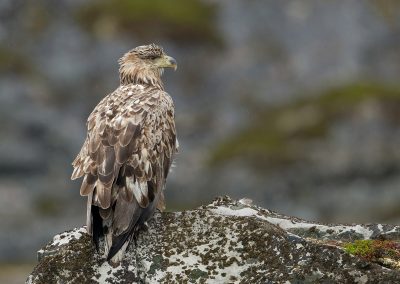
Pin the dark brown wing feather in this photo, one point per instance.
(126, 157)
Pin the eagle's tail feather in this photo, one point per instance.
(97, 223)
(119, 244)
(125, 218)
(121, 222)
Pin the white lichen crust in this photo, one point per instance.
(224, 242)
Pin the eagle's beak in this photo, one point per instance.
(167, 61)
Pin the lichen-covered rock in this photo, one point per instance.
(224, 242)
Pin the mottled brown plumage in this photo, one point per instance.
(130, 145)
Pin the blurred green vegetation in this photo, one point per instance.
(180, 20)
(48, 206)
(12, 61)
(37, 17)
(274, 135)
(388, 9)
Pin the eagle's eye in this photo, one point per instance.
(152, 57)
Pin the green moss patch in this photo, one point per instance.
(384, 252)
(195, 274)
(157, 263)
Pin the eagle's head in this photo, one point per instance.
(144, 65)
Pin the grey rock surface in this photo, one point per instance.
(226, 241)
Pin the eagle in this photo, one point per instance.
(128, 152)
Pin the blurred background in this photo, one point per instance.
(294, 104)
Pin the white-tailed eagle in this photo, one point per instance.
(129, 149)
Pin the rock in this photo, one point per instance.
(226, 241)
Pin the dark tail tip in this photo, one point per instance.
(118, 242)
(97, 224)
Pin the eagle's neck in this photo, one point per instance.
(132, 74)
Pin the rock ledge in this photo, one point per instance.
(226, 241)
